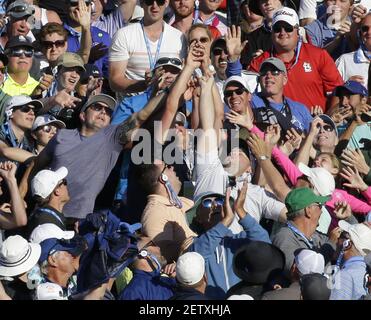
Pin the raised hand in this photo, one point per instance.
(355, 158)
(233, 42)
(258, 146)
(342, 210)
(358, 13)
(7, 170)
(340, 114)
(195, 56)
(45, 82)
(227, 212)
(344, 28)
(240, 202)
(354, 179)
(273, 134)
(65, 100)
(316, 111)
(314, 129)
(83, 14)
(243, 120)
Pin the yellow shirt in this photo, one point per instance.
(13, 88)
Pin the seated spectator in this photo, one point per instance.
(60, 260)
(147, 282)
(219, 55)
(314, 286)
(50, 191)
(17, 259)
(256, 263)
(191, 277)
(353, 244)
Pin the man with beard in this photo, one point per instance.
(183, 14)
(219, 56)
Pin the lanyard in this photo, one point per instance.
(365, 51)
(10, 135)
(308, 242)
(48, 211)
(151, 62)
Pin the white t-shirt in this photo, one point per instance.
(128, 44)
(211, 177)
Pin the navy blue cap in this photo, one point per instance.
(353, 86)
(74, 246)
(90, 70)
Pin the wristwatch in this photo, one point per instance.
(263, 158)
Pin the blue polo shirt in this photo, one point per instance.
(148, 286)
(320, 35)
(301, 117)
(98, 36)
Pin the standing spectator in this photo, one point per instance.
(207, 15)
(219, 56)
(250, 21)
(191, 277)
(311, 72)
(136, 48)
(183, 14)
(353, 245)
(314, 286)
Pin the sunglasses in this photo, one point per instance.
(277, 28)
(63, 182)
(344, 235)
(51, 44)
(19, 9)
(365, 28)
(151, 2)
(218, 51)
(25, 108)
(202, 40)
(149, 244)
(99, 108)
(325, 127)
(20, 52)
(48, 129)
(274, 73)
(177, 62)
(208, 202)
(229, 93)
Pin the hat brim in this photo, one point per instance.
(33, 257)
(58, 123)
(102, 98)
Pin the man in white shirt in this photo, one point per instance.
(136, 47)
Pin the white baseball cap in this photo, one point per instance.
(322, 180)
(360, 235)
(49, 230)
(237, 79)
(18, 101)
(308, 261)
(46, 119)
(18, 256)
(49, 291)
(190, 268)
(286, 14)
(45, 181)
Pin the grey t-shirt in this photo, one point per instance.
(89, 161)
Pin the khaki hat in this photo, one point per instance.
(103, 98)
(70, 59)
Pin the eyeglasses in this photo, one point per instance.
(365, 28)
(20, 52)
(218, 51)
(19, 9)
(317, 205)
(325, 127)
(99, 108)
(277, 28)
(274, 73)
(25, 108)
(208, 202)
(229, 93)
(48, 129)
(51, 44)
(167, 60)
(151, 2)
(202, 40)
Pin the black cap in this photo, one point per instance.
(90, 70)
(19, 41)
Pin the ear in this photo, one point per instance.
(285, 79)
(364, 100)
(57, 191)
(308, 213)
(82, 116)
(52, 261)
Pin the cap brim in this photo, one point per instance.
(305, 169)
(61, 173)
(58, 123)
(103, 98)
(191, 213)
(346, 226)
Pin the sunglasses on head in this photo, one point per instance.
(25, 108)
(277, 28)
(151, 2)
(272, 72)
(48, 129)
(19, 52)
(177, 62)
(51, 44)
(365, 28)
(202, 40)
(208, 202)
(325, 127)
(218, 51)
(229, 93)
(99, 108)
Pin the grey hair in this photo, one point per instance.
(45, 264)
(295, 214)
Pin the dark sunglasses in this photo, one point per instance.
(48, 128)
(229, 93)
(208, 202)
(151, 2)
(25, 108)
(19, 52)
(19, 9)
(277, 28)
(218, 51)
(202, 40)
(99, 108)
(325, 127)
(63, 182)
(51, 44)
(177, 62)
(272, 72)
(344, 235)
(365, 28)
